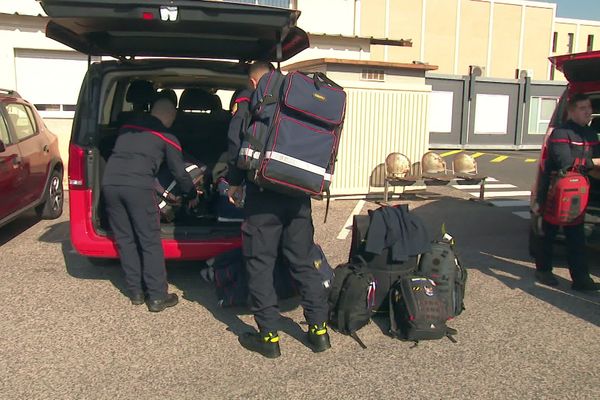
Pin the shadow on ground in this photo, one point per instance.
(184, 275)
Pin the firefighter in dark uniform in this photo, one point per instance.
(575, 140)
(131, 202)
(272, 221)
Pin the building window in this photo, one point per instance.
(370, 74)
(554, 41)
(552, 72)
(590, 43)
(570, 43)
(540, 113)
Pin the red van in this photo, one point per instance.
(197, 48)
(582, 71)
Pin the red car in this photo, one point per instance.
(582, 71)
(31, 170)
(221, 37)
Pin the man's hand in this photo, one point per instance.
(235, 195)
(193, 203)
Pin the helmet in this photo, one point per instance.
(464, 164)
(397, 165)
(432, 163)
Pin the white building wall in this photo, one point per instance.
(23, 32)
(335, 17)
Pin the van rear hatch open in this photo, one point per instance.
(580, 67)
(175, 28)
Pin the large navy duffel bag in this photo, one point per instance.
(291, 143)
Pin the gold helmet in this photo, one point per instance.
(464, 164)
(432, 163)
(397, 165)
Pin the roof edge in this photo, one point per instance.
(365, 63)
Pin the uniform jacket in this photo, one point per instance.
(396, 228)
(235, 135)
(140, 149)
(566, 144)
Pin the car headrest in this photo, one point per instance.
(196, 99)
(216, 103)
(140, 92)
(168, 94)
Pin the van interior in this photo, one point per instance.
(203, 113)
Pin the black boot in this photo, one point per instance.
(159, 305)
(137, 299)
(587, 285)
(318, 337)
(546, 278)
(266, 344)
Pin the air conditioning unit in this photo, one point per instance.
(477, 70)
(523, 73)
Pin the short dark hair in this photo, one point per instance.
(576, 98)
(259, 68)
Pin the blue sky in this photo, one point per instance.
(581, 9)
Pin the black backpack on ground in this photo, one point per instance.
(442, 266)
(351, 299)
(385, 270)
(417, 311)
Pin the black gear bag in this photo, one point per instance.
(417, 312)
(351, 299)
(384, 269)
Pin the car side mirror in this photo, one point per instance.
(2, 146)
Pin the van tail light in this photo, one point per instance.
(76, 167)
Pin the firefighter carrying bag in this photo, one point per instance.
(568, 197)
(291, 143)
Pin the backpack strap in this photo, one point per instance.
(328, 193)
(354, 336)
(392, 314)
(450, 332)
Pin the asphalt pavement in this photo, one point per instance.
(69, 332)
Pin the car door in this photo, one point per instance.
(32, 147)
(11, 171)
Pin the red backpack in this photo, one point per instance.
(568, 196)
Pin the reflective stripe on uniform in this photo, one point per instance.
(245, 151)
(285, 159)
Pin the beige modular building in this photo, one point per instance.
(383, 52)
(502, 37)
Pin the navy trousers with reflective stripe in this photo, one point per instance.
(271, 220)
(135, 222)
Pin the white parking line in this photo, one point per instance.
(513, 193)
(348, 224)
(510, 203)
(487, 186)
(523, 214)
